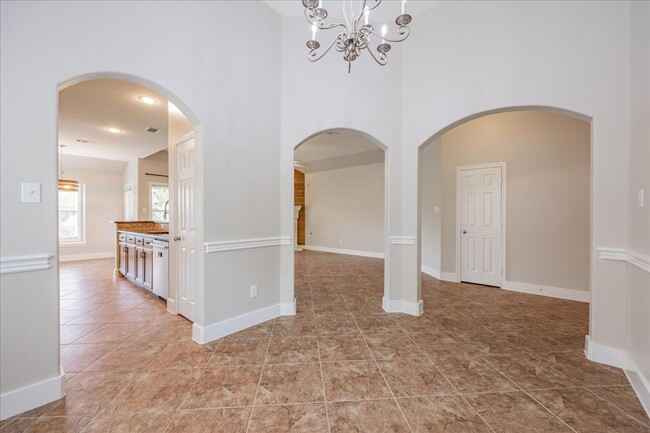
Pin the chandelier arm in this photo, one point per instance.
(381, 60)
(313, 56)
(403, 31)
(363, 11)
(320, 24)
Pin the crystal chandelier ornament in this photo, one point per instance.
(354, 36)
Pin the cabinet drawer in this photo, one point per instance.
(139, 241)
(122, 237)
(130, 239)
(148, 244)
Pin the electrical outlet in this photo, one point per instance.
(254, 291)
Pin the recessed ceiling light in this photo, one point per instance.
(147, 100)
(114, 130)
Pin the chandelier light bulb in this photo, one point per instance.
(354, 35)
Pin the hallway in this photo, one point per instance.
(478, 360)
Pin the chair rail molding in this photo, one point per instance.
(624, 255)
(402, 240)
(29, 263)
(245, 244)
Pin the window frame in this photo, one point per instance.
(151, 209)
(79, 240)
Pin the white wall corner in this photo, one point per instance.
(89, 256)
(452, 277)
(245, 244)
(32, 396)
(288, 308)
(553, 292)
(34, 262)
(435, 273)
(400, 306)
(605, 354)
(206, 334)
(359, 253)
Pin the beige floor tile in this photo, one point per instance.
(47, 425)
(210, 421)
(181, 354)
(444, 414)
(625, 399)
(391, 346)
(515, 412)
(585, 412)
(343, 348)
(413, 377)
(290, 383)
(370, 416)
(110, 333)
(292, 350)
(353, 381)
(295, 418)
(155, 391)
(123, 423)
(76, 357)
(529, 372)
(224, 387)
(239, 352)
(471, 373)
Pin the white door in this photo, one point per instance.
(481, 247)
(186, 228)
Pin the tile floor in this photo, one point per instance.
(478, 360)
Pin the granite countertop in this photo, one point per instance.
(152, 233)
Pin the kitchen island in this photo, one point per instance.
(141, 248)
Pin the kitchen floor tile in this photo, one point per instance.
(357, 380)
(210, 421)
(412, 377)
(224, 387)
(295, 418)
(444, 414)
(290, 383)
(370, 416)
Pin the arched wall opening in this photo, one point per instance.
(152, 163)
(345, 184)
(544, 156)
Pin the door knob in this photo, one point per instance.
(464, 232)
(177, 238)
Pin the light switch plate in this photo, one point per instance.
(31, 192)
(640, 197)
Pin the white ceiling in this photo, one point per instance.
(387, 11)
(88, 108)
(336, 149)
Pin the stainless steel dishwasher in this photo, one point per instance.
(161, 267)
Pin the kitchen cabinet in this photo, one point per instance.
(136, 258)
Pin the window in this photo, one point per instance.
(159, 193)
(71, 216)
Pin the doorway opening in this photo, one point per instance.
(505, 202)
(121, 138)
(340, 222)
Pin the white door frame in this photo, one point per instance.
(504, 225)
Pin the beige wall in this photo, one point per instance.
(345, 208)
(104, 202)
(158, 164)
(548, 163)
(431, 190)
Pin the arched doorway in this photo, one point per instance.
(341, 193)
(543, 220)
(137, 130)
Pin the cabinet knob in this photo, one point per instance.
(177, 238)
(142, 254)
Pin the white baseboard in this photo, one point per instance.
(640, 383)
(343, 251)
(206, 334)
(89, 256)
(619, 358)
(452, 277)
(435, 273)
(32, 396)
(288, 308)
(400, 306)
(553, 292)
(605, 354)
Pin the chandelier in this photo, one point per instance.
(65, 184)
(354, 36)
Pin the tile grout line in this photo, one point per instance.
(614, 405)
(379, 369)
(426, 355)
(259, 381)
